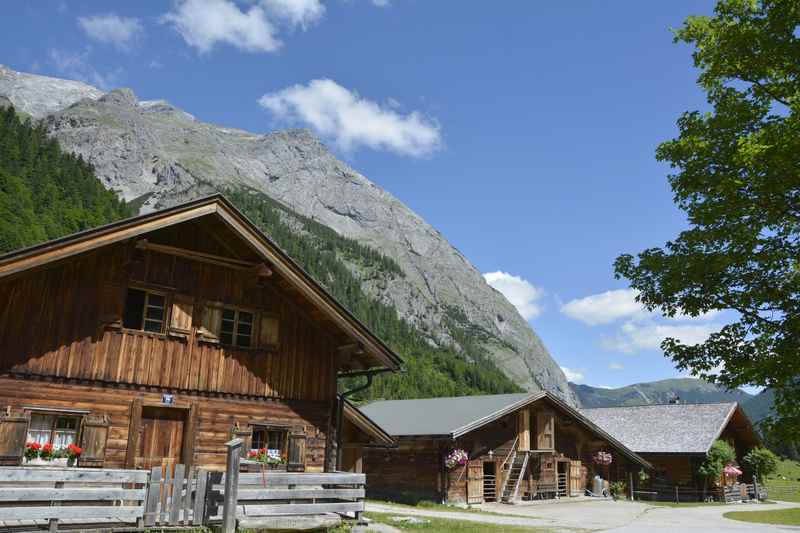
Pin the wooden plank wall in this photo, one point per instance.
(408, 474)
(56, 322)
(216, 416)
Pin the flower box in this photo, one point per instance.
(60, 462)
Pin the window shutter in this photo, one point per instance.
(297, 452)
(113, 301)
(545, 430)
(268, 331)
(246, 435)
(180, 321)
(13, 432)
(94, 434)
(210, 323)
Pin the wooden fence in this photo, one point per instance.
(259, 496)
(44, 497)
(37, 496)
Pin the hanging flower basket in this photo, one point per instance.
(602, 458)
(456, 458)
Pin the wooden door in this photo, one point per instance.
(523, 430)
(161, 437)
(545, 430)
(475, 482)
(576, 480)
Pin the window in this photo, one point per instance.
(270, 438)
(58, 430)
(236, 328)
(144, 310)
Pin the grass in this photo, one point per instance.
(442, 525)
(784, 485)
(787, 517)
(685, 504)
(432, 506)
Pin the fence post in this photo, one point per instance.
(231, 485)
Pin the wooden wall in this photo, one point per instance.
(676, 469)
(215, 416)
(411, 473)
(65, 321)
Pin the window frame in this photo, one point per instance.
(148, 291)
(267, 429)
(54, 429)
(234, 333)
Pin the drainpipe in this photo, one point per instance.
(369, 374)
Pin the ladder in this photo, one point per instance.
(517, 471)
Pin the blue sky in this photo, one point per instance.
(524, 131)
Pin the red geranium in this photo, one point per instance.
(32, 450)
(73, 451)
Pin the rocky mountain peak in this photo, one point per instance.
(123, 96)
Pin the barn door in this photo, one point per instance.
(545, 430)
(475, 482)
(161, 437)
(576, 481)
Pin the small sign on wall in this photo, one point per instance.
(168, 399)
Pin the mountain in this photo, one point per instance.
(760, 406)
(689, 390)
(156, 155)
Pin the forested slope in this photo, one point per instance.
(44, 192)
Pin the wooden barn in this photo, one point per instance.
(675, 438)
(518, 446)
(155, 339)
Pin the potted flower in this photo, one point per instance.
(73, 452)
(270, 459)
(32, 452)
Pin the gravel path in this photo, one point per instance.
(606, 516)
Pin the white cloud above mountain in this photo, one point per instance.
(520, 292)
(204, 24)
(122, 32)
(302, 13)
(352, 121)
(605, 307)
(77, 66)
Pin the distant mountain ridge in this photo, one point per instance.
(156, 155)
(688, 390)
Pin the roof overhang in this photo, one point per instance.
(355, 416)
(215, 205)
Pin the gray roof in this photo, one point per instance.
(671, 428)
(441, 416)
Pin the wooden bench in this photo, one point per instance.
(32, 496)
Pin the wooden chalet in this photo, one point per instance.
(519, 446)
(156, 339)
(675, 438)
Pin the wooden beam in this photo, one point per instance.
(203, 257)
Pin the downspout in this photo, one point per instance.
(340, 405)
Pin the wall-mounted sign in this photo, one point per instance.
(168, 399)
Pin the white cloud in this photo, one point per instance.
(205, 23)
(75, 65)
(604, 308)
(575, 376)
(121, 32)
(648, 335)
(352, 121)
(520, 292)
(381, 3)
(303, 13)
(610, 306)
(616, 366)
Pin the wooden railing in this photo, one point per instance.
(246, 498)
(33, 496)
(171, 496)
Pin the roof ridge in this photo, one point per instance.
(456, 397)
(658, 405)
